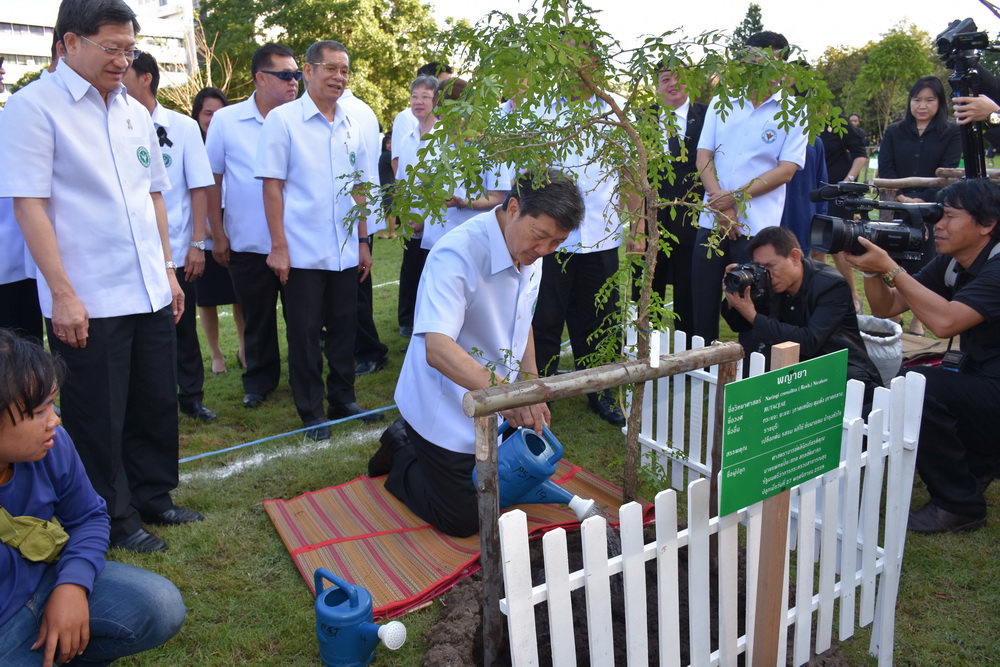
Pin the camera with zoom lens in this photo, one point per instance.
(902, 239)
(751, 275)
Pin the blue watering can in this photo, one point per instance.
(347, 634)
(525, 462)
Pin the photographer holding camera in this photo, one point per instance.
(958, 292)
(806, 302)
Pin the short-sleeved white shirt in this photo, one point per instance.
(601, 228)
(232, 151)
(497, 178)
(747, 144)
(368, 121)
(96, 163)
(319, 162)
(471, 292)
(15, 261)
(188, 168)
(404, 123)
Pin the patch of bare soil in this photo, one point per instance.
(456, 639)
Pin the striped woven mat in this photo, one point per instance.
(360, 532)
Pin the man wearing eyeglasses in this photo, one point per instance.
(242, 242)
(311, 156)
(83, 164)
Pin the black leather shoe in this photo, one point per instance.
(369, 367)
(931, 519)
(392, 439)
(605, 407)
(351, 409)
(198, 411)
(319, 433)
(253, 400)
(174, 516)
(141, 541)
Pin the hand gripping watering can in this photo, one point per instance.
(344, 624)
(525, 462)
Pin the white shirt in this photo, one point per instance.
(491, 179)
(232, 151)
(188, 168)
(404, 123)
(366, 118)
(471, 292)
(319, 161)
(747, 144)
(601, 228)
(97, 164)
(15, 261)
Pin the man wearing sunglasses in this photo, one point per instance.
(310, 157)
(242, 242)
(83, 164)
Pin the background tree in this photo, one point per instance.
(750, 25)
(894, 63)
(841, 67)
(387, 39)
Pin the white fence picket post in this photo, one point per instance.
(517, 588)
(728, 574)
(560, 605)
(634, 583)
(667, 579)
(597, 590)
(700, 615)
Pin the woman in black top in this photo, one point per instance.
(923, 141)
(916, 146)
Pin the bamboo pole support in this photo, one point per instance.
(483, 405)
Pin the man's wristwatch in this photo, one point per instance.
(200, 245)
(171, 265)
(993, 119)
(364, 239)
(890, 276)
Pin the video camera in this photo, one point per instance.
(902, 238)
(751, 275)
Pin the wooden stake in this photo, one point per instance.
(771, 574)
(488, 489)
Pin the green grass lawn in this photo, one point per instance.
(249, 605)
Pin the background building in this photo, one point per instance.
(167, 33)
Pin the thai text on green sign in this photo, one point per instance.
(781, 429)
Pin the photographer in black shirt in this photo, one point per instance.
(808, 303)
(958, 292)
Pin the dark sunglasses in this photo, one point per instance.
(285, 76)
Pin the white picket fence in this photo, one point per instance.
(838, 525)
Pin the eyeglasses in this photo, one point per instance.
(285, 76)
(113, 51)
(333, 68)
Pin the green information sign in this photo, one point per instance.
(781, 428)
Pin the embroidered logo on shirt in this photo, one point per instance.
(768, 136)
(143, 154)
(353, 158)
(166, 160)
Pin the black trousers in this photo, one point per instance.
(19, 309)
(368, 347)
(409, 279)
(706, 281)
(119, 404)
(314, 300)
(673, 270)
(190, 369)
(436, 484)
(257, 290)
(958, 438)
(570, 282)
